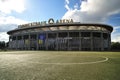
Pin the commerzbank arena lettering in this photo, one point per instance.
(50, 21)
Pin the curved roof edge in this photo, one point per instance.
(110, 28)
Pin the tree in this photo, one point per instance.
(115, 46)
(4, 45)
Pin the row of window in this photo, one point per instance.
(62, 35)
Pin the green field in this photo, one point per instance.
(59, 65)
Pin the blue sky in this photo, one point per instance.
(38, 10)
(15, 12)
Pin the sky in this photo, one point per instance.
(16, 12)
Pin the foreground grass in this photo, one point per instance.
(29, 65)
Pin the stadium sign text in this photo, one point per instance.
(43, 23)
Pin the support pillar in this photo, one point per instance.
(22, 42)
(57, 41)
(46, 42)
(102, 47)
(68, 41)
(109, 41)
(29, 42)
(37, 41)
(80, 41)
(91, 36)
(16, 43)
(9, 42)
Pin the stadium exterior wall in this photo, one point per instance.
(61, 36)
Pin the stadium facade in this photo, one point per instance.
(61, 35)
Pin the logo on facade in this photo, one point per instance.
(43, 23)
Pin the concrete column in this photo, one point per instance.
(68, 41)
(16, 43)
(102, 47)
(23, 43)
(57, 41)
(37, 39)
(29, 41)
(9, 43)
(91, 36)
(12, 43)
(80, 41)
(109, 41)
(46, 44)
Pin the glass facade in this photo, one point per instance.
(62, 38)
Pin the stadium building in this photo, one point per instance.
(61, 35)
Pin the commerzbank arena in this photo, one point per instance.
(61, 35)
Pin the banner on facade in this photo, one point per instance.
(42, 38)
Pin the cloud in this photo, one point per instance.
(92, 10)
(116, 37)
(67, 7)
(101, 7)
(66, 4)
(116, 34)
(67, 1)
(7, 27)
(8, 22)
(7, 6)
(76, 6)
(4, 36)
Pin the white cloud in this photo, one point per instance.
(116, 29)
(6, 6)
(66, 4)
(4, 36)
(67, 7)
(76, 6)
(116, 37)
(116, 34)
(8, 22)
(67, 1)
(101, 7)
(7, 27)
(93, 10)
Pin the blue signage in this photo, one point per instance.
(42, 38)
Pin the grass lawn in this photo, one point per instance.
(59, 65)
